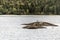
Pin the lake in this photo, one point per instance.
(11, 28)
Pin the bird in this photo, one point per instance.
(36, 25)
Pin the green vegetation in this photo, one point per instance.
(30, 7)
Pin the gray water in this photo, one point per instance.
(11, 28)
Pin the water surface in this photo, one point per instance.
(11, 28)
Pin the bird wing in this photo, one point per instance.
(28, 24)
(48, 24)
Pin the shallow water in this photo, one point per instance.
(11, 28)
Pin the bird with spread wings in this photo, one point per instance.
(35, 25)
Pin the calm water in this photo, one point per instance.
(11, 28)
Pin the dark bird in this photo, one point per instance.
(35, 25)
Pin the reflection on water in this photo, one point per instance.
(11, 28)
